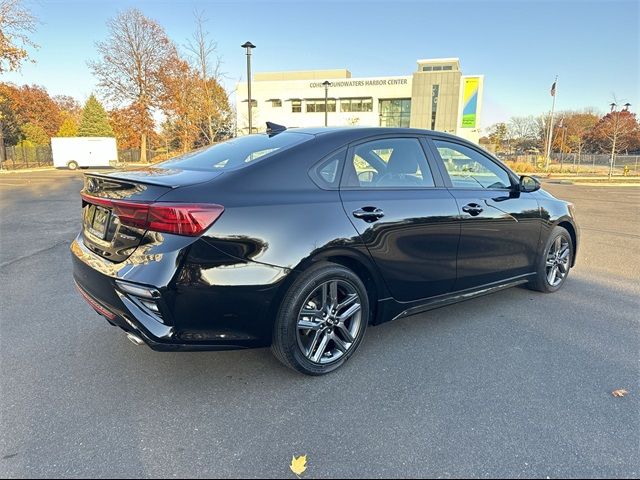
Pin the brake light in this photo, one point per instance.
(189, 219)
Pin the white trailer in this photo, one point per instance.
(74, 152)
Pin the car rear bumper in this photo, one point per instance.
(191, 316)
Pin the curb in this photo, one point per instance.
(27, 170)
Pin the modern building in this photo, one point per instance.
(436, 96)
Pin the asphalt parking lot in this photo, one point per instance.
(517, 384)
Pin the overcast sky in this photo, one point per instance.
(519, 45)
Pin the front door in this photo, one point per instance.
(500, 226)
(405, 216)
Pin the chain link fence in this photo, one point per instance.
(598, 163)
(28, 156)
(24, 156)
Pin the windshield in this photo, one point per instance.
(237, 152)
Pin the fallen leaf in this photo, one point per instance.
(298, 465)
(619, 393)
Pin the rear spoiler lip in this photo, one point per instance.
(122, 176)
(125, 179)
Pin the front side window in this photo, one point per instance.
(388, 163)
(468, 168)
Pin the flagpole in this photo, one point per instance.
(550, 133)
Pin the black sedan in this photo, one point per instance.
(299, 239)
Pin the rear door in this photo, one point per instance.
(404, 214)
(500, 226)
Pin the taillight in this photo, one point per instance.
(189, 219)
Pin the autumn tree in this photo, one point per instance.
(180, 88)
(69, 126)
(123, 121)
(132, 59)
(70, 113)
(17, 25)
(32, 104)
(94, 122)
(615, 132)
(10, 132)
(578, 126)
(35, 134)
(619, 126)
(498, 136)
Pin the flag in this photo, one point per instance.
(553, 89)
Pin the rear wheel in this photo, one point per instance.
(322, 320)
(555, 263)
(72, 165)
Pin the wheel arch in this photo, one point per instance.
(353, 260)
(570, 227)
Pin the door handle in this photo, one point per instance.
(472, 209)
(368, 214)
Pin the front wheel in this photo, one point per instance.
(322, 320)
(72, 165)
(555, 263)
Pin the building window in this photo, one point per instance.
(395, 112)
(447, 67)
(317, 105)
(356, 104)
(437, 68)
(435, 91)
(296, 106)
(427, 69)
(276, 102)
(254, 103)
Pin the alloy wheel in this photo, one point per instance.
(558, 259)
(329, 321)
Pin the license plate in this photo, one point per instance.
(98, 221)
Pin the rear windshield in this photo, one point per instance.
(237, 152)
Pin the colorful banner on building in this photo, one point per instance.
(470, 102)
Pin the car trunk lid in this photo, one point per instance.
(108, 198)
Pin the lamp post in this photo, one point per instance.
(248, 46)
(326, 84)
(616, 132)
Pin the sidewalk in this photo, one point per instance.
(52, 168)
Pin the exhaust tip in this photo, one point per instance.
(135, 339)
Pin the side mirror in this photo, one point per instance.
(529, 184)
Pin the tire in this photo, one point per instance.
(300, 348)
(559, 238)
(72, 165)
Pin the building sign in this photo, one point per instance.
(362, 83)
(470, 101)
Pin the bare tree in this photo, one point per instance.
(205, 60)
(17, 23)
(133, 58)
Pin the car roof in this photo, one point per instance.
(355, 132)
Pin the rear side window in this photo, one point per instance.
(237, 152)
(326, 174)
